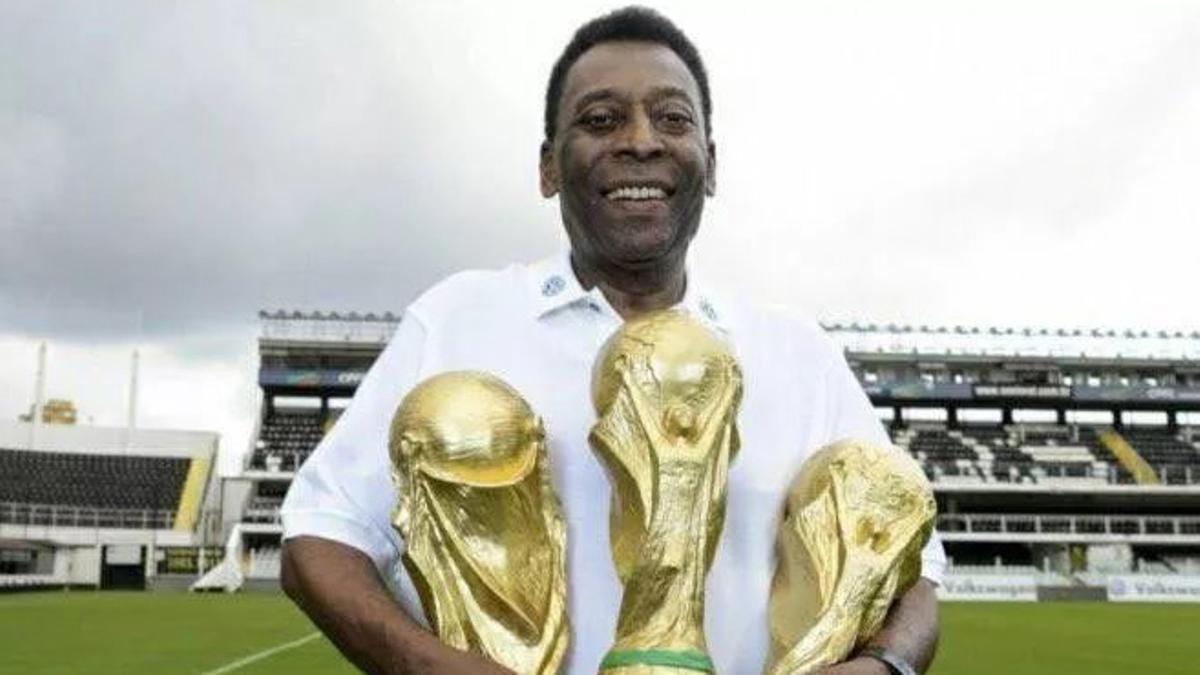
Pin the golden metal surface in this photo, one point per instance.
(484, 534)
(855, 521)
(667, 392)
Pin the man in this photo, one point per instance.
(629, 154)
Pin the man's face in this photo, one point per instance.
(631, 161)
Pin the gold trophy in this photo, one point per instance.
(849, 544)
(483, 529)
(666, 391)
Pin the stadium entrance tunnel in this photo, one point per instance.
(123, 567)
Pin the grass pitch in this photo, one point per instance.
(90, 632)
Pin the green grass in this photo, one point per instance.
(1068, 638)
(89, 632)
(111, 632)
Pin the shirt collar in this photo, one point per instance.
(553, 286)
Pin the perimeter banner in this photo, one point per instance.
(315, 377)
(1153, 588)
(988, 587)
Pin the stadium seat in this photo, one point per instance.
(1175, 459)
(286, 439)
(39, 487)
(1038, 453)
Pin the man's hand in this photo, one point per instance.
(340, 590)
(910, 631)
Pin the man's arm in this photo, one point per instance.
(334, 546)
(340, 590)
(910, 631)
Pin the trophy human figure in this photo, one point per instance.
(667, 391)
(483, 531)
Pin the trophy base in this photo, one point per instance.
(656, 662)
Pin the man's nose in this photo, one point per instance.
(639, 138)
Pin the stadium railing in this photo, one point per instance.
(54, 515)
(30, 581)
(1043, 454)
(1084, 524)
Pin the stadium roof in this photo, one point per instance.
(328, 327)
(855, 336)
(297, 315)
(1096, 343)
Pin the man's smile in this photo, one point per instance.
(638, 196)
(638, 191)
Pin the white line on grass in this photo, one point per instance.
(258, 656)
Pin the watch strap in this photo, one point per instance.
(893, 661)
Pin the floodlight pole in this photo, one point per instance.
(131, 420)
(39, 396)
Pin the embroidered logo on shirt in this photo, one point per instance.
(553, 286)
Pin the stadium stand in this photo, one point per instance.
(146, 489)
(307, 362)
(100, 507)
(1174, 457)
(286, 439)
(1015, 453)
(1064, 462)
(102, 481)
(265, 502)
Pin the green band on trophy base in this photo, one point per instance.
(690, 660)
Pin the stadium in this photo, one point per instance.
(1066, 466)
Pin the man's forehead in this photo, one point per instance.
(635, 68)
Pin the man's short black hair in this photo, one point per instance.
(630, 23)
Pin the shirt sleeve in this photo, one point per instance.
(344, 490)
(855, 417)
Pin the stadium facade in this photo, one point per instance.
(309, 368)
(101, 507)
(1066, 463)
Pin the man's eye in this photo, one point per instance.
(599, 120)
(676, 119)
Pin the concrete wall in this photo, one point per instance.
(86, 536)
(83, 566)
(108, 440)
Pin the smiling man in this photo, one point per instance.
(629, 154)
(628, 151)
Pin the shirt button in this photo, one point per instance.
(553, 286)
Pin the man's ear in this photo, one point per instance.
(548, 170)
(710, 176)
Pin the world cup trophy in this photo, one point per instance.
(666, 391)
(483, 529)
(849, 544)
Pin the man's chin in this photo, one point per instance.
(644, 245)
(643, 260)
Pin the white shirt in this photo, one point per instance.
(539, 330)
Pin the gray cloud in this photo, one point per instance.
(169, 168)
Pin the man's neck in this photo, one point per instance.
(635, 292)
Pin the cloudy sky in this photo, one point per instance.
(167, 169)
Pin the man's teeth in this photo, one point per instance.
(637, 193)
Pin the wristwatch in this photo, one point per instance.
(895, 663)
